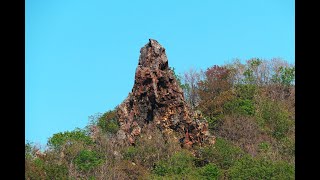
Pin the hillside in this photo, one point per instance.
(235, 121)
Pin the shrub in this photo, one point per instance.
(222, 153)
(240, 106)
(178, 78)
(45, 169)
(161, 169)
(151, 147)
(286, 148)
(60, 139)
(108, 122)
(130, 153)
(273, 118)
(87, 160)
(56, 171)
(242, 131)
(264, 146)
(246, 91)
(243, 101)
(214, 121)
(210, 172)
(179, 163)
(284, 75)
(38, 162)
(250, 168)
(28, 149)
(128, 170)
(33, 170)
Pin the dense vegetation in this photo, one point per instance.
(250, 108)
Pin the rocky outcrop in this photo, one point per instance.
(157, 98)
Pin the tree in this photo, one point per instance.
(178, 78)
(191, 79)
(214, 90)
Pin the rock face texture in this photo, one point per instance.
(157, 98)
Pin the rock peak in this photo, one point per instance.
(153, 56)
(157, 99)
(154, 43)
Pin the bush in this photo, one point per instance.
(250, 168)
(264, 147)
(181, 166)
(151, 146)
(28, 148)
(214, 122)
(286, 147)
(108, 122)
(161, 169)
(56, 171)
(179, 163)
(246, 91)
(34, 170)
(178, 78)
(210, 172)
(130, 153)
(273, 118)
(240, 106)
(127, 170)
(285, 76)
(60, 139)
(222, 153)
(87, 160)
(243, 101)
(45, 169)
(242, 131)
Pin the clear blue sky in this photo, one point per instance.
(81, 55)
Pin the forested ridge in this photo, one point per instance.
(249, 107)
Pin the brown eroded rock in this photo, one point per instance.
(157, 98)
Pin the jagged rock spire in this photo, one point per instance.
(157, 98)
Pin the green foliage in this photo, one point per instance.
(214, 121)
(264, 146)
(243, 102)
(87, 160)
(254, 63)
(251, 72)
(178, 78)
(222, 153)
(108, 122)
(209, 172)
(38, 162)
(28, 150)
(56, 171)
(60, 139)
(250, 168)
(249, 76)
(161, 169)
(92, 178)
(285, 76)
(287, 147)
(130, 153)
(179, 163)
(240, 106)
(41, 169)
(273, 118)
(246, 91)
